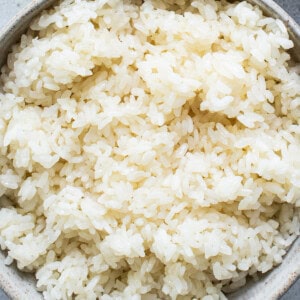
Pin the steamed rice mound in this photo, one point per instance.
(149, 149)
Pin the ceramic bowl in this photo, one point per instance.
(270, 286)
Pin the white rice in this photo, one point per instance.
(149, 149)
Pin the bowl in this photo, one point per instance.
(19, 285)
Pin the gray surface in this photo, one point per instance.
(2, 295)
(10, 7)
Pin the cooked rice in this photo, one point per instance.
(149, 149)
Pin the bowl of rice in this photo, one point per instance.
(149, 150)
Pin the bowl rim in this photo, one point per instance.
(12, 281)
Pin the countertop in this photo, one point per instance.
(8, 8)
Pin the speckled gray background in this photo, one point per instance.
(8, 9)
